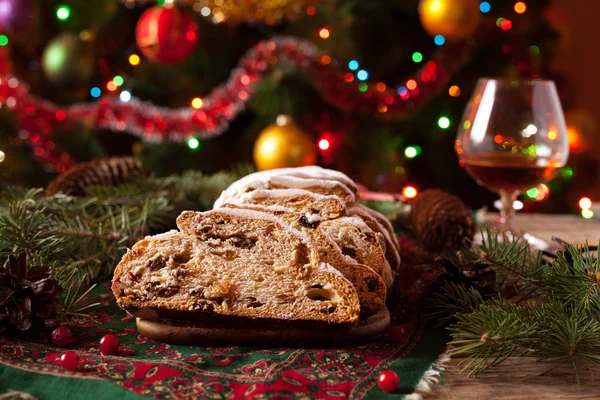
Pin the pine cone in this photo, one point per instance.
(100, 171)
(440, 221)
(28, 296)
(481, 276)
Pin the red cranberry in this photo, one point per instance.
(399, 333)
(109, 344)
(388, 381)
(70, 361)
(62, 336)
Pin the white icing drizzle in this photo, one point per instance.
(353, 220)
(269, 207)
(295, 178)
(282, 193)
(253, 214)
(164, 235)
(314, 171)
(325, 267)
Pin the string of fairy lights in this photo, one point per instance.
(355, 73)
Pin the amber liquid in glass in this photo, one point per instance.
(508, 172)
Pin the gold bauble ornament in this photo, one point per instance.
(453, 19)
(283, 145)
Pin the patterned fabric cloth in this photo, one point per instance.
(147, 368)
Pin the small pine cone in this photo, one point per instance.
(440, 221)
(98, 172)
(480, 276)
(28, 294)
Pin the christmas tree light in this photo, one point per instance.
(444, 122)
(193, 143)
(587, 213)
(63, 12)
(118, 80)
(417, 57)
(324, 144)
(410, 192)
(585, 203)
(520, 7)
(410, 152)
(197, 103)
(134, 59)
(125, 96)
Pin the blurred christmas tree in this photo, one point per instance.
(374, 88)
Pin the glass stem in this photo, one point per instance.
(507, 212)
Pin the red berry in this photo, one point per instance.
(62, 336)
(69, 360)
(109, 344)
(399, 333)
(388, 381)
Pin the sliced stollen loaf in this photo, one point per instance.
(312, 178)
(379, 223)
(370, 287)
(240, 267)
(360, 243)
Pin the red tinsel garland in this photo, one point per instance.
(152, 123)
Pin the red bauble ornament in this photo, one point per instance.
(388, 381)
(62, 336)
(166, 35)
(109, 344)
(70, 361)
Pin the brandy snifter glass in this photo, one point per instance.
(512, 138)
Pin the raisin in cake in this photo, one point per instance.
(239, 264)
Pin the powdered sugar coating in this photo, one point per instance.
(164, 235)
(294, 178)
(353, 220)
(324, 267)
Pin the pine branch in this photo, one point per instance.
(516, 265)
(563, 325)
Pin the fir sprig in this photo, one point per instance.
(561, 323)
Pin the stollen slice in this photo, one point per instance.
(369, 286)
(240, 268)
(379, 223)
(360, 243)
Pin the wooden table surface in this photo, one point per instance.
(521, 377)
(518, 378)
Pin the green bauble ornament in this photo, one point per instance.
(68, 61)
